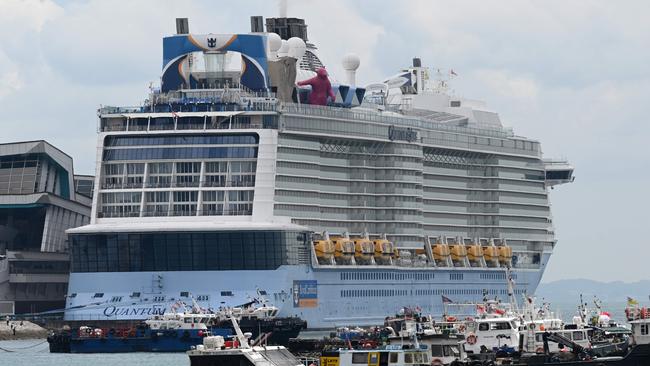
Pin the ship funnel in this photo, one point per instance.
(257, 24)
(182, 26)
(350, 65)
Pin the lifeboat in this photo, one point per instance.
(491, 254)
(441, 253)
(364, 250)
(384, 252)
(505, 254)
(324, 251)
(343, 250)
(458, 252)
(474, 253)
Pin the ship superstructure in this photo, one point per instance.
(225, 183)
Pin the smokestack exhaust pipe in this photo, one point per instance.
(257, 24)
(182, 26)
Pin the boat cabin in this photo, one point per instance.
(178, 321)
(491, 333)
(390, 355)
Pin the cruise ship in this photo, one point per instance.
(226, 183)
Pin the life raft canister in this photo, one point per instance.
(471, 339)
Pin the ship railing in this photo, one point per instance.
(182, 123)
(356, 114)
(359, 123)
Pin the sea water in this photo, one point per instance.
(35, 352)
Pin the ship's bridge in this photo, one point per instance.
(558, 172)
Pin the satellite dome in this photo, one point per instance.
(351, 61)
(275, 42)
(297, 47)
(284, 49)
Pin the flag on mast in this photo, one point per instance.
(446, 300)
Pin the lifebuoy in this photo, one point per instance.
(471, 339)
(539, 350)
(461, 328)
(436, 362)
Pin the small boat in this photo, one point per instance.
(220, 351)
(178, 331)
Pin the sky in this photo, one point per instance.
(574, 75)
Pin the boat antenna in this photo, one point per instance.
(511, 291)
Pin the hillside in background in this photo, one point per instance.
(564, 291)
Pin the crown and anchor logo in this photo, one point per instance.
(212, 42)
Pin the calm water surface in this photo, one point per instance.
(31, 353)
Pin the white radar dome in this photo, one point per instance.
(284, 49)
(297, 47)
(351, 61)
(275, 42)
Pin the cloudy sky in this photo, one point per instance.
(574, 75)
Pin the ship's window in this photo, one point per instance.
(393, 357)
(135, 294)
(644, 329)
(502, 326)
(360, 357)
(72, 295)
(116, 299)
(578, 336)
(98, 295)
(436, 350)
(185, 294)
(484, 327)
(408, 358)
(227, 293)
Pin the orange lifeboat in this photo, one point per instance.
(384, 250)
(491, 254)
(343, 250)
(458, 252)
(441, 252)
(364, 250)
(325, 251)
(474, 253)
(505, 254)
